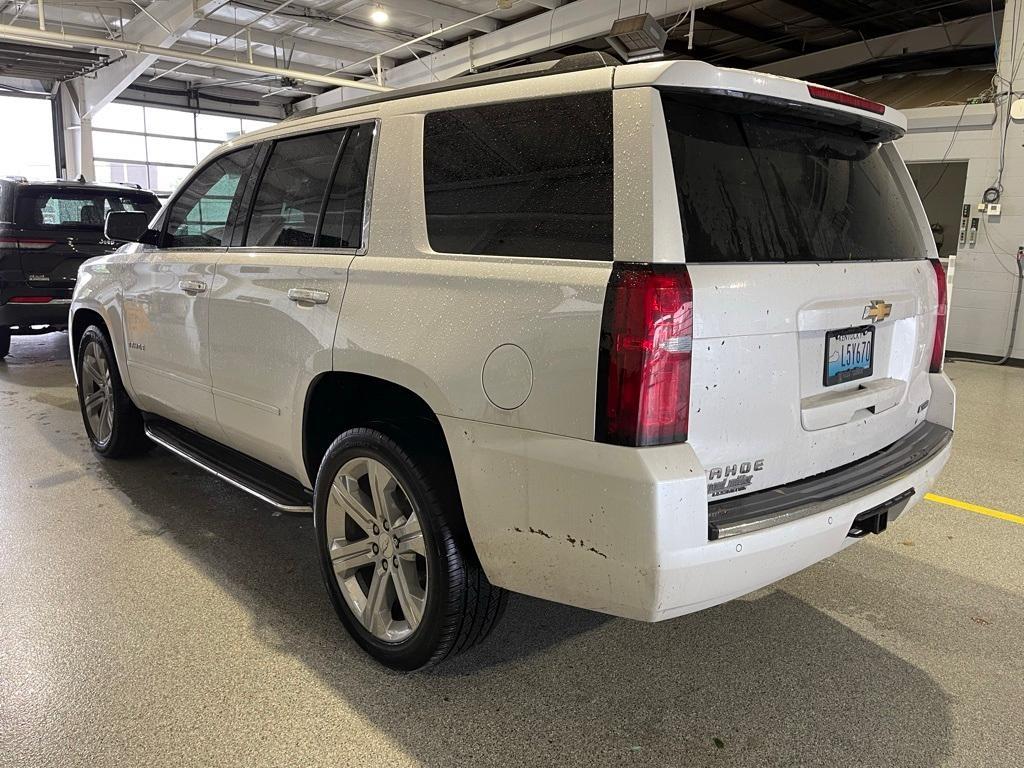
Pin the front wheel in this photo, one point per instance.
(394, 552)
(112, 421)
(5, 341)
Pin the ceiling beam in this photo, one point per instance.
(839, 16)
(446, 14)
(55, 38)
(204, 77)
(909, 63)
(162, 25)
(331, 51)
(358, 33)
(776, 39)
(969, 32)
(565, 25)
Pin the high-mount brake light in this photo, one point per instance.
(939, 342)
(645, 357)
(846, 99)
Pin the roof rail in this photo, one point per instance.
(16, 179)
(574, 63)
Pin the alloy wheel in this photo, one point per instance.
(97, 392)
(377, 549)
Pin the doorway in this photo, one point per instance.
(941, 187)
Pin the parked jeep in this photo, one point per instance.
(638, 338)
(47, 229)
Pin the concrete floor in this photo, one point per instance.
(153, 616)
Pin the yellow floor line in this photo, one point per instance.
(975, 508)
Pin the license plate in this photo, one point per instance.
(848, 354)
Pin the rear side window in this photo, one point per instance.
(76, 208)
(312, 191)
(527, 178)
(286, 209)
(199, 216)
(760, 183)
(343, 219)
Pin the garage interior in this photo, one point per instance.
(154, 615)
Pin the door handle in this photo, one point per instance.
(192, 286)
(308, 296)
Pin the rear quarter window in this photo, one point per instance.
(529, 178)
(76, 208)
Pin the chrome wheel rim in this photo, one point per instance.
(97, 392)
(377, 550)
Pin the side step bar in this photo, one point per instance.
(262, 481)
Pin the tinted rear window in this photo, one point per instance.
(45, 208)
(760, 183)
(286, 210)
(527, 178)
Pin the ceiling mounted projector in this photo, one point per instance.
(637, 38)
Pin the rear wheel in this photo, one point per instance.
(394, 553)
(5, 341)
(112, 421)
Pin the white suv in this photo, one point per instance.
(639, 339)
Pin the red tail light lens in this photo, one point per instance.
(27, 244)
(31, 299)
(846, 99)
(939, 343)
(645, 358)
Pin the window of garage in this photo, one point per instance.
(31, 153)
(156, 147)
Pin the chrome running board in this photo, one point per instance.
(264, 482)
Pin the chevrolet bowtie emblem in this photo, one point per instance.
(877, 310)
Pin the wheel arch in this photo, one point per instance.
(81, 318)
(86, 313)
(340, 400)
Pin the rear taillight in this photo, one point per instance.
(646, 350)
(846, 99)
(28, 244)
(939, 342)
(30, 299)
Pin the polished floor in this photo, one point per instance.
(153, 616)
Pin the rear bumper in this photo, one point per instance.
(625, 531)
(721, 570)
(51, 313)
(764, 509)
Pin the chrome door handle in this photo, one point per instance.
(192, 286)
(308, 296)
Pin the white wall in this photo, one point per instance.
(986, 273)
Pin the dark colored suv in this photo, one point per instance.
(47, 229)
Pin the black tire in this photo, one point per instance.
(127, 435)
(5, 341)
(461, 606)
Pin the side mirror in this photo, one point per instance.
(126, 226)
